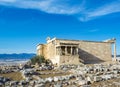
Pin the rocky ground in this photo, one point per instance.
(96, 75)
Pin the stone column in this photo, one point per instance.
(57, 51)
(65, 50)
(60, 51)
(71, 50)
(115, 51)
(77, 50)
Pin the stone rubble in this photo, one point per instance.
(80, 76)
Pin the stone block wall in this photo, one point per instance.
(92, 52)
(95, 52)
(69, 59)
(88, 51)
(49, 50)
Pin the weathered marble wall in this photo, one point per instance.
(94, 52)
(88, 51)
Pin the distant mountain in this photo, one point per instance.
(116, 55)
(19, 56)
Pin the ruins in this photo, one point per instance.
(63, 51)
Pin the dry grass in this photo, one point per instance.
(17, 76)
(53, 74)
(108, 83)
(46, 71)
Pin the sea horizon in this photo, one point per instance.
(13, 61)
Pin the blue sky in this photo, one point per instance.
(26, 23)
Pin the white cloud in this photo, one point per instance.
(110, 8)
(80, 11)
(48, 6)
(107, 9)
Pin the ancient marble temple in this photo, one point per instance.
(63, 51)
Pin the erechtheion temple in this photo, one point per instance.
(63, 51)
